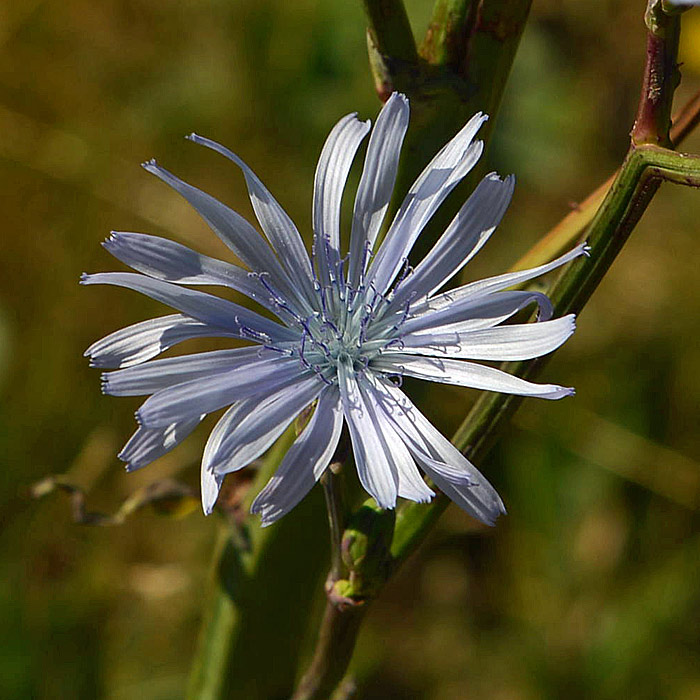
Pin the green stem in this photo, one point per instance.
(334, 490)
(390, 29)
(335, 506)
(391, 46)
(495, 33)
(336, 641)
(253, 613)
(366, 564)
(465, 64)
(222, 616)
(445, 41)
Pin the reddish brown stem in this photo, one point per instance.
(661, 76)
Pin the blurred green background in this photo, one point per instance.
(588, 589)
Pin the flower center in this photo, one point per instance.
(348, 327)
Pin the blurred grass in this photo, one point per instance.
(587, 589)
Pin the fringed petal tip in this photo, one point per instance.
(505, 180)
(268, 511)
(426, 498)
(478, 118)
(268, 514)
(267, 519)
(398, 96)
(493, 515)
(211, 485)
(559, 392)
(385, 506)
(130, 465)
(488, 522)
(114, 238)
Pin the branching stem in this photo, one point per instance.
(638, 180)
(648, 162)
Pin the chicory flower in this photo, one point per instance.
(342, 326)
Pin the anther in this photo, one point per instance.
(398, 342)
(302, 347)
(252, 334)
(275, 295)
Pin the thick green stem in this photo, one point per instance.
(451, 24)
(392, 49)
(253, 613)
(390, 29)
(494, 38)
(465, 65)
(366, 564)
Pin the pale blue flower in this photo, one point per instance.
(347, 327)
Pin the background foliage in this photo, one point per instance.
(587, 589)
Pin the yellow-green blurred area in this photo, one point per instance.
(589, 588)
